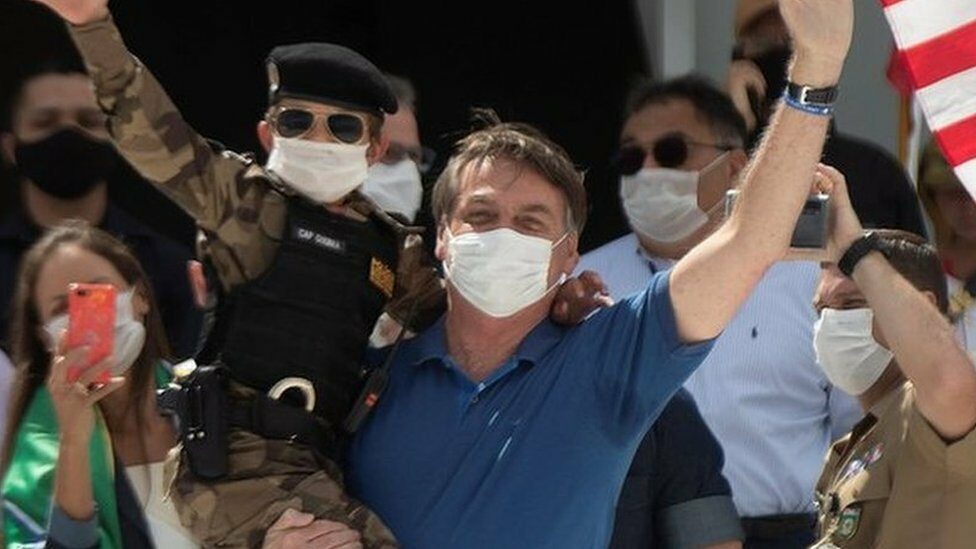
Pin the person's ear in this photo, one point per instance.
(7, 145)
(440, 246)
(738, 159)
(377, 148)
(931, 297)
(264, 135)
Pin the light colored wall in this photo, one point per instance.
(671, 48)
(868, 106)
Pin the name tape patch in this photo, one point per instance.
(318, 239)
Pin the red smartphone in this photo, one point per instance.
(91, 323)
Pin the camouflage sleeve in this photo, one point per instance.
(150, 132)
(419, 298)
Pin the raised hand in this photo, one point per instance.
(745, 76)
(74, 401)
(78, 12)
(845, 227)
(822, 31)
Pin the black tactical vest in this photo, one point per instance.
(311, 313)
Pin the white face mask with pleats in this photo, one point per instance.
(662, 203)
(501, 271)
(395, 187)
(130, 334)
(848, 353)
(322, 172)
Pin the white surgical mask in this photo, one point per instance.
(323, 172)
(847, 350)
(130, 334)
(396, 188)
(662, 203)
(500, 271)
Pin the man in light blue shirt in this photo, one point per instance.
(760, 390)
(501, 430)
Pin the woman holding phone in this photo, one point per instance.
(83, 463)
(83, 460)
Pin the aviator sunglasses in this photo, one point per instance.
(297, 122)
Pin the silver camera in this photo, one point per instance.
(813, 227)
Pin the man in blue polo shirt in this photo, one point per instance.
(500, 429)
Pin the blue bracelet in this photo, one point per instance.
(816, 110)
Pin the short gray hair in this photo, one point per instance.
(522, 144)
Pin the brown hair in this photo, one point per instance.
(30, 355)
(917, 260)
(374, 126)
(522, 144)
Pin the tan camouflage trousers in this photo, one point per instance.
(265, 478)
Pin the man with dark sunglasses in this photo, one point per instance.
(760, 390)
(305, 266)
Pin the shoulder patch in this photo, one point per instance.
(382, 276)
(850, 519)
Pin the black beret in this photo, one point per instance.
(328, 73)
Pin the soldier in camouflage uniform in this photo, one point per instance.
(305, 264)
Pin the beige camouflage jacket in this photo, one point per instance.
(239, 207)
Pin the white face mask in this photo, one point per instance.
(662, 204)
(500, 271)
(847, 350)
(130, 334)
(396, 188)
(323, 172)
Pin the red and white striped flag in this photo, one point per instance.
(937, 44)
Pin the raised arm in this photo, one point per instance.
(710, 283)
(922, 340)
(145, 125)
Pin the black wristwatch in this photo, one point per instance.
(865, 244)
(805, 95)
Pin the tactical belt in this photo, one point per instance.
(778, 526)
(271, 419)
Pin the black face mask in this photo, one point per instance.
(67, 164)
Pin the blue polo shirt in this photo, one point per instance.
(534, 455)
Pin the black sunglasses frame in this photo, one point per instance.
(328, 120)
(670, 151)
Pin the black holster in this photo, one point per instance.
(199, 403)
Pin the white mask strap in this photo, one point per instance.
(713, 164)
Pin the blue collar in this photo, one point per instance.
(431, 345)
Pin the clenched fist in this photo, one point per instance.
(822, 31)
